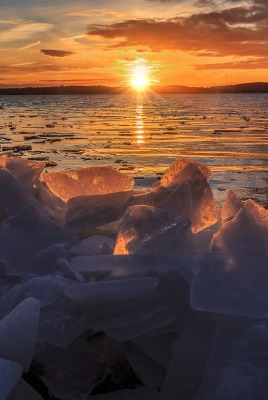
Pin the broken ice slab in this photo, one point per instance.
(3, 160)
(10, 299)
(183, 171)
(24, 235)
(91, 245)
(234, 284)
(110, 291)
(128, 394)
(86, 213)
(230, 207)
(186, 367)
(23, 391)
(44, 288)
(13, 196)
(74, 371)
(10, 373)
(179, 202)
(133, 265)
(179, 171)
(87, 181)
(18, 331)
(247, 233)
(147, 370)
(161, 316)
(237, 365)
(158, 348)
(25, 171)
(146, 229)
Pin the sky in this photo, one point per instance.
(101, 42)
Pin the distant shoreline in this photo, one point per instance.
(255, 87)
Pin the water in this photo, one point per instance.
(142, 135)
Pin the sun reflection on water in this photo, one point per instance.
(139, 132)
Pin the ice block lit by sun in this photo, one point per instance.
(140, 77)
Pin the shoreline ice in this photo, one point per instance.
(111, 292)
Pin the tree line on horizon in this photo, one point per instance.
(255, 87)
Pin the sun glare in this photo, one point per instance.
(140, 79)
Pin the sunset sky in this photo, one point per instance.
(101, 42)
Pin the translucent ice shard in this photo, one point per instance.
(147, 229)
(110, 291)
(87, 181)
(246, 233)
(234, 284)
(25, 235)
(186, 367)
(18, 332)
(3, 160)
(93, 245)
(231, 206)
(10, 373)
(179, 202)
(13, 196)
(203, 212)
(179, 171)
(25, 171)
(86, 213)
(237, 365)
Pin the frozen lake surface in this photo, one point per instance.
(143, 134)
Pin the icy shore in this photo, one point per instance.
(113, 293)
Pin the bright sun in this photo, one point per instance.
(139, 78)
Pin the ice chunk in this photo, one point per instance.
(25, 235)
(18, 332)
(186, 367)
(3, 160)
(204, 210)
(23, 391)
(237, 366)
(147, 370)
(176, 173)
(234, 284)
(246, 233)
(110, 291)
(179, 202)
(73, 372)
(146, 229)
(25, 171)
(230, 207)
(130, 265)
(128, 394)
(44, 289)
(151, 197)
(10, 299)
(87, 181)
(93, 245)
(13, 197)
(158, 348)
(10, 373)
(85, 213)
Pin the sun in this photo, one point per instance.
(140, 77)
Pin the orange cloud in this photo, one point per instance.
(57, 53)
(236, 31)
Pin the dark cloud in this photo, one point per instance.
(57, 53)
(241, 31)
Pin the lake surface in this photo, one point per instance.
(143, 134)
